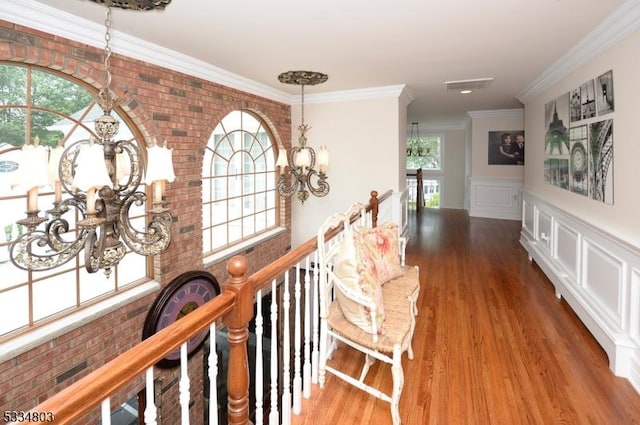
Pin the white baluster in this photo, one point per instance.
(259, 359)
(286, 354)
(306, 371)
(213, 376)
(105, 411)
(316, 322)
(150, 412)
(274, 414)
(297, 379)
(184, 385)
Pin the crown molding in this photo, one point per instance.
(494, 113)
(397, 92)
(622, 22)
(35, 15)
(443, 125)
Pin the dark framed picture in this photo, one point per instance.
(506, 147)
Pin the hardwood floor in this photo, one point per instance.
(493, 345)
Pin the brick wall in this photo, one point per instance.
(164, 105)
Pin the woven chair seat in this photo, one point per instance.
(397, 324)
(408, 284)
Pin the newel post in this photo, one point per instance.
(374, 203)
(237, 321)
(419, 190)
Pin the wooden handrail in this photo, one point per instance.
(235, 304)
(80, 398)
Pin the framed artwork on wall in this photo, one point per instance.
(604, 93)
(578, 150)
(506, 147)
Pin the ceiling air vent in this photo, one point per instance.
(476, 83)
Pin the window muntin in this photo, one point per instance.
(35, 102)
(238, 182)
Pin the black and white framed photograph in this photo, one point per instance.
(575, 105)
(604, 93)
(579, 160)
(601, 161)
(556, 115)
(506, 147)
(588, 99)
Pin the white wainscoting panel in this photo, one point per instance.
(634, 296)
(603, 280)
(528, 217)
(567, 249)
(496, 198)
(634, 327)
(597, 274)
(543, 228)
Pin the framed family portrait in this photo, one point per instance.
(506, 147)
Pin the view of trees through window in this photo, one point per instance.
(425, 153)
(55, 109)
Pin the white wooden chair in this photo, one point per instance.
(399, 300)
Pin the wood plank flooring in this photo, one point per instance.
(493, 345)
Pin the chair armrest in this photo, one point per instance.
(402, 246)
(365, 301)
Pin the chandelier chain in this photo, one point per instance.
(302, 108)
(107, 47)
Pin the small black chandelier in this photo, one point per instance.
(415, 146)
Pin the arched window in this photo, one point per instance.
(238, 183)
(35, 102)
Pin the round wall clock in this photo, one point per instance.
(181, 296)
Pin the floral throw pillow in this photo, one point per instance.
(357, 275)
(380, 247)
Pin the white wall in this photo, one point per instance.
(363, 137)
(482, 122)
(494, 191)
(621, 218)
(467, 161)
(453, 176)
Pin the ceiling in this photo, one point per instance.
(363, 44)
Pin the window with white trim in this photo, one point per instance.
(426, 152)
(37, 102)
(238, 182)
